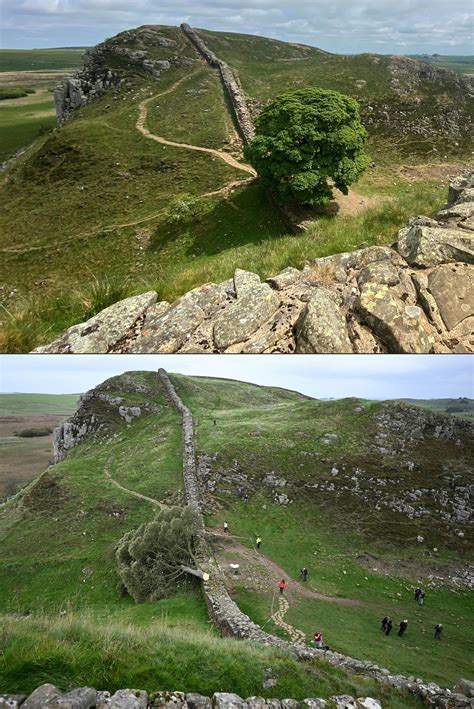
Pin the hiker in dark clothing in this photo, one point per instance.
(282, 586)
(417, 593)
(438, 631)
(421, 598)
(258, 542)
(389, 627)
(246, 498)
(403, 627)
(384, 623)
(304, 573)
(215, 422)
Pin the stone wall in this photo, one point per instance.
(231, 621)
(230, 82)
(415, 296)
(89, 698)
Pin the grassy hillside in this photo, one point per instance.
(62, 617)
(137, 214)
(338, 523)
(460, 64)
(462, 407)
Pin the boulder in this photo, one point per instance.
(253, 307)
(98, 334)
(81, 698)
(11, 701)
(322, 326)
(226, 700)
(244, 281)
(41, 696)
(343, 701)
(427, 246)
(452, 287)
(167, 332)
(460, 210)
(173, 700)
(285, 278)
(457, 186)
(314, 703)
(403, 327)
(465, 686)
(368, 703)
(198, 701)
(126, 699)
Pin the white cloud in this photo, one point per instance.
(341, 26)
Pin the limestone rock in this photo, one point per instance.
(41, 696)
(314, 703)
(322, 326)
(368, 703)
(343, 701)
(242, 318)
(460, 210)
(11, 701)
(426, 246)
(98, 334)
(285, 278)
(170, 700)
(457, 186)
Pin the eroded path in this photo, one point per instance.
(109, 477)
(296, 636)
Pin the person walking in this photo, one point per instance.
(389, 626)
(226, 527)
(417, 593)
(282, 586)
(258, 542)
(421, 598)
(304, 573)
(438, 631)
(403, 626)
(384, 623)
(246, 498)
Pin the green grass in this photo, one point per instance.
(23, 124)
(40, 59)
(11, 404)
(461, 407)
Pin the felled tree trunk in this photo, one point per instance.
(196, 572)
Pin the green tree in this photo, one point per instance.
(150, 558)
(305, 138)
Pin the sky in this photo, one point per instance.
(320, 376)
(345, 26)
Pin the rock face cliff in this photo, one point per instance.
(100, 410)
(416, 296)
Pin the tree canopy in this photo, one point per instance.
(305, 138)
(150, 558)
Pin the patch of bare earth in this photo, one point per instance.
(258, 573)
(435, 171)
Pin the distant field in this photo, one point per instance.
(31, 59)
(37, 403)
(459, 64)
(24, 458)
(463, 408)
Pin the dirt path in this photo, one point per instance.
(141, 127)
(107, 474)
(248, 558)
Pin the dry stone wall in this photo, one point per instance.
(231, 621)
(416, 296)
(230, 82)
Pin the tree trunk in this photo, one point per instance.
(196, 572)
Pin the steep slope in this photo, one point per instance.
(145, 184)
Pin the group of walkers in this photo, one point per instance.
(387, 624)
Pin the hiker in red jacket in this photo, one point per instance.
(282, 586)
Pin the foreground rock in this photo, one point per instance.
(416, 296)
(49, 697)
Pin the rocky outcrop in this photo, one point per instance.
(231, 621)
(88, 698)
(230, 82)
(98, 411)
(416, 296)
(108, 65)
